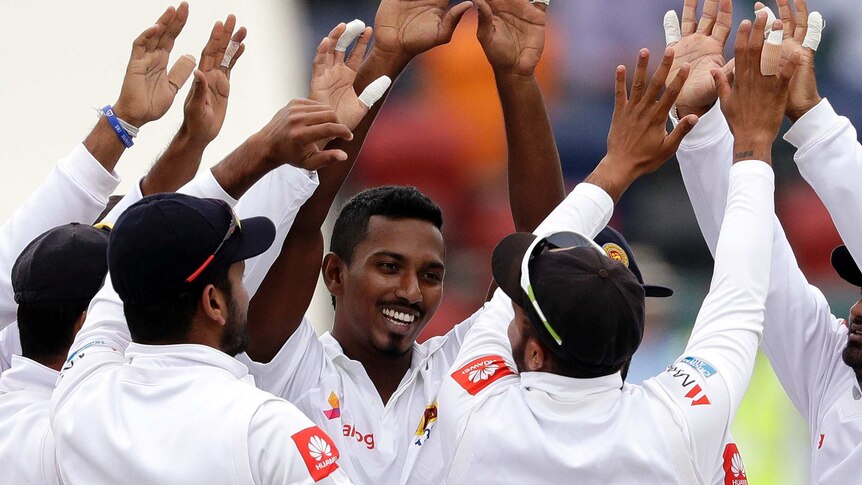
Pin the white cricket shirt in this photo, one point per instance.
(27, 445)
(382, 442)
(801, 337)
(497, 426)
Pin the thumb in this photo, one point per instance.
(683, 128)
(197, 94)
(729, 70)
(374, 91)
(453, 16)
(181, 70)
(722, 86)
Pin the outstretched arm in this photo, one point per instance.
(512, 34)
(403, 30)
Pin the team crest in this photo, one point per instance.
(429, 418)
(616, 253)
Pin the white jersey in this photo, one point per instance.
(384, 441)
(76, 190)
(499, 426)
(801, 337)
(27, 447)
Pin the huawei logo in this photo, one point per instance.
(318, 448)
(483, 373)
(736, 466)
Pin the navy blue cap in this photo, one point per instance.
(66, 263)
(616, 246)
(845, 266)
(162, 240)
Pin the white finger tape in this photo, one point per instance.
(816, 24)
(375, 91)
(354, 30)
(770, 19)
(672, 32)
(544, 2)
(229, 52)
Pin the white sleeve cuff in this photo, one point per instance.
(709, 127)
(205, 185)
(89, 173)
(133, 196)
(755, 167)
(813, 125)
(587, 210)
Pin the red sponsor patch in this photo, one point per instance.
(734, 469)
(318, 451)
(480, 373)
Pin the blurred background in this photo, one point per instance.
(442, 131)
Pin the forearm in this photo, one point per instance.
(243, 167)
(176, 166)
(104, 144)
(535, 175)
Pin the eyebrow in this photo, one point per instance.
(400, 258)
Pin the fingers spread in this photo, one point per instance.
(707, 18)
(668, 99)
(786, 15)
(621, 97)
(660, 76)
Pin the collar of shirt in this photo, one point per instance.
(568, 388)
(26, 374)
(419, 357)
(185, 355)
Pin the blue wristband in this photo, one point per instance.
(121, 132)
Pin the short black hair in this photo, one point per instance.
(392, 201)
(170, 320)
(48, 328)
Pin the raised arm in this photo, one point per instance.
(512, 34)
(204, 110)
(403, 30)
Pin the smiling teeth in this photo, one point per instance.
(399, 316)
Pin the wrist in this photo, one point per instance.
(121, 112)
(752, 150)
(795, 113)
(613, 175)
(513, 76)
(390, 63)
(186, 140)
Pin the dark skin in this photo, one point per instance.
(852, 354)
(405, 30)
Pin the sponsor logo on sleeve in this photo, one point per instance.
(702, 366)
(734, 468)
(689, 384)
(318, 452)
(429, 418)
(335, 412)
(481, 373)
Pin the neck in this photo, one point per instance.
(55, 362)
(385, 370)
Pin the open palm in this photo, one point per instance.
(411, 27)
(512, 34)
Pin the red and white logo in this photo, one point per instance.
(318, 452)
(481, 373)
(689, 384)
(734, 468)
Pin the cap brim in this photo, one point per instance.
(255, 237)
(655, 291)
(845, 266)
(506, 263)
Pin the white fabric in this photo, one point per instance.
(536, 427)
(186, 401)
(76, 190)
(801, 337)
(10, 346)
(27, 444)
(381, 441)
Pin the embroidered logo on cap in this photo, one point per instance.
(318, 452)
(734, 468)
(335, 412)
(480, 373)
(616, 253)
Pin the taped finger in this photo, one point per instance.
(354, 30)
(816, 24)
(182, 69)
(770, 19)
(770, 58)
(229, 52)
(543, 2)
(672, 33)
(375, 91)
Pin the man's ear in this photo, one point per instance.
(213, 304)
(333, 273)
(534, 355)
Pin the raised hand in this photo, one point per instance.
(638, 141)
(754, 107)
(407, 28)
(294, 135)
(148, 88)
(700, 45)
(333, 75)
(512, 34)
(206, 104)
(801, 34)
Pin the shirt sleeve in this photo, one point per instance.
(297, 367)
(800, 334)
(286, 448)
(10, 344)
(829, 157)
(76, 190)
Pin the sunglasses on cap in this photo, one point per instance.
(555, 241)
(231, 228)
